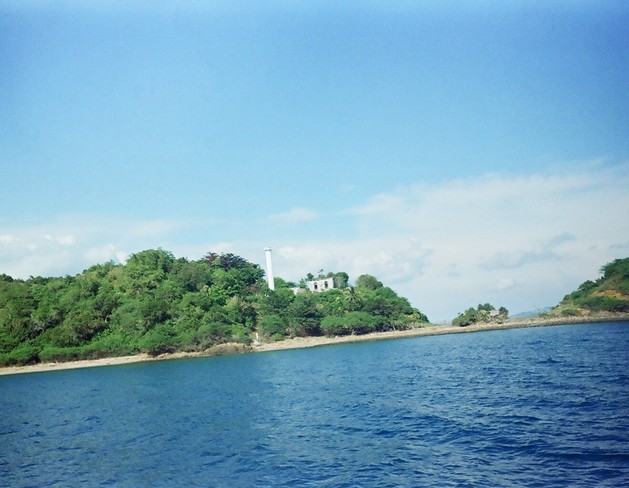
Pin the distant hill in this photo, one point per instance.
(609, 293)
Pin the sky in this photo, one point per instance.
(461, 152)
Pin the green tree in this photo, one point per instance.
(331, 302)
(352, 299)
(17, 305)
(82, 323)
(273, 326)
(469, 317)
(304, 317)
(145, 270)
(617, 268)
(275, 302)
(193, 276)
(482, 313)
(341, 280)
(369, 282)
(159, 340)
(350, 323)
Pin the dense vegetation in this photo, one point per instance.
(609, 293)
(156, 303)
(484, 313)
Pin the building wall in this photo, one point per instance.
(320, 285)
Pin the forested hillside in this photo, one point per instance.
(157, 303)
(609, 293)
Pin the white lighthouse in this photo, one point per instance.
(269, 269)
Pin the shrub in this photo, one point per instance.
(350, 323)
(159, 340)
(469, 317)
(271, 325)
(605, 303)
(405, 322)
(21, 355)
(53, 354)
(111, 345)
(240, 334)
(570, 312)
(332, 325)
(361, 322)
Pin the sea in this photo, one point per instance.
(535, 407)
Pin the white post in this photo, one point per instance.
(269, 269)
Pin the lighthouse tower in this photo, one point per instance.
(269, 269)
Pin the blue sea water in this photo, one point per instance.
(523, 407)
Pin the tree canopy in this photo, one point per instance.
(485, 312)
(157, 303)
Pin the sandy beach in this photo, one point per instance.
(305, 342)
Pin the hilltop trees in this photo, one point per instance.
(367, 307)
(157, 303)
(609, 293)
(483, 313)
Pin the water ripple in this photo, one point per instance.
(527, 407)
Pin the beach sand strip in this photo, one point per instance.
(306, 342)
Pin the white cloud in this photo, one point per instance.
(67, 240)
(7, 239)
(389, 263)
(517, 258)
(347, 188)
(68, 245)
(102, 254)
(294, 215)
(504, 284)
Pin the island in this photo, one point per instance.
(157, 306)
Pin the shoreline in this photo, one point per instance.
(315, 341)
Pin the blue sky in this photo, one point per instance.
(462, 152)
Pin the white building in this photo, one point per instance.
(322, 284)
